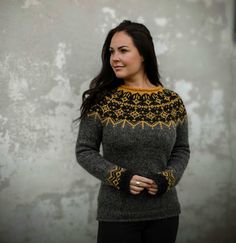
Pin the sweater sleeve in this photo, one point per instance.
(88, 155)
(178, 159)
(179, 156)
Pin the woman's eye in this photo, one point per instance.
(123, 50)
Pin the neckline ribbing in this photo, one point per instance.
(137, 89)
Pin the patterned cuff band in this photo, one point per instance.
(119, 178)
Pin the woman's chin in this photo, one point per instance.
(120, 75)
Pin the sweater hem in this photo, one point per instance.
(129, 218)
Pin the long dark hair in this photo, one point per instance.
(106, 80)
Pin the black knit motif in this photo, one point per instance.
(163, 108)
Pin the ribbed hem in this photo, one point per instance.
(153, 215)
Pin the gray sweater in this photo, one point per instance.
(142, 132)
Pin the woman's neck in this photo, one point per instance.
(141, 82)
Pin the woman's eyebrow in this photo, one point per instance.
(118, 47)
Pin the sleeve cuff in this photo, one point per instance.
(119, 178)
(165, 180)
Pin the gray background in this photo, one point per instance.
(49, 51)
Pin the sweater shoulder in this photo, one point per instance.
(101, 104)
(172, 93)
(177, 102)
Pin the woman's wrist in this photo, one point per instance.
(161, 182)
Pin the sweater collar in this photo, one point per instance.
(140, 90)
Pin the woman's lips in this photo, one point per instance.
(117, 68)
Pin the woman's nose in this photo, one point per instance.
(115, 56)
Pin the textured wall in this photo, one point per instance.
(49, 51)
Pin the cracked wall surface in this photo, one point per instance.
(49, 51)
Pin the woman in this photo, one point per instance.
(144, 134)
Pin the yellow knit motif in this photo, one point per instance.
(114, 176)
(156, 107)
(169, 177)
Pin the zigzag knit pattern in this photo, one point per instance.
(168, 174)
(133, 107)
(115, 176)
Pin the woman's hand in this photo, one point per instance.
(139, 183)
(153, 189)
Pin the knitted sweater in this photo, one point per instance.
(143, 132)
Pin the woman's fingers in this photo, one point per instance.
(153, 190)
(152, 193)
(139, 183)
(142, 179)
(154, 186)
(136, 190)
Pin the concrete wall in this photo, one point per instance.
(49, 51)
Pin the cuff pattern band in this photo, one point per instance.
(168, 174)
(114, 176)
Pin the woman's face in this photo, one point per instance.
(125, 59)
